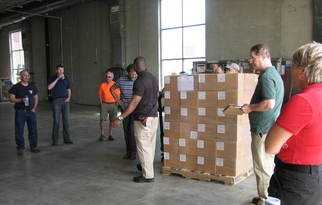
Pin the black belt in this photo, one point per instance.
(309, 169)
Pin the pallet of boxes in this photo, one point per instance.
(201, 140)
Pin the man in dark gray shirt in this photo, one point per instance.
(144, 106)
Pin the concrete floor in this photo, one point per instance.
(92, 172)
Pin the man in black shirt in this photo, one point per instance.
(144, 106)
(59, 87)
(25, 97)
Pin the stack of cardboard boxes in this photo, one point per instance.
(199, 136)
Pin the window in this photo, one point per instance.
(182, 34)
(17, 59)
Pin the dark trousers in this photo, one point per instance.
(296, 187)
(21, 118)
(60, 107)
(128, 128)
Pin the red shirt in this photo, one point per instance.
(302, 116)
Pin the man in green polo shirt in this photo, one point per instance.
(263, 111)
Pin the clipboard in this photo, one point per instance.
(232, 109)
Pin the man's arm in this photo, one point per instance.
(53, 84)
(35, 103)
(13, 99)
(275, 139)
(69, 95)
(133, 104)
(263, 106)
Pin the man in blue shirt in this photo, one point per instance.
(126, 85)
(59, 87)
(25, 97)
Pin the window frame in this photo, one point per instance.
(11, 53)
(182, 26)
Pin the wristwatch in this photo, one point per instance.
(120, 118)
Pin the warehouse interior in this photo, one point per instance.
(90, 36)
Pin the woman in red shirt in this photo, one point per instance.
(296, 138)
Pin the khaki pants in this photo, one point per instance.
(263, 165)
(145, 137)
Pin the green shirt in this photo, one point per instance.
(270, 86)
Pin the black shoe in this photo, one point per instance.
(20, 152)
(139, 167)
(256, 200)
(141, 179)
(69, 142)
(54, 144)
(110, 138)
(34, 150)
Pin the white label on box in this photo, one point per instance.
(202, 95)
(202, 111)
(183, 158)
(167, 80)
(182, 142)
(221, 129)
(201, 128)
(200, 160)
(220, 112)
(200, 144)
(220, 146)
(202, 78)
(167, 110)
(185, 83)
(166, 140)
(166, 125)
(193, 135)
(219, 162)
(167, 95)
(221, 95)
(221, 78)
(166, 155)
(184, 112)
(183, 95)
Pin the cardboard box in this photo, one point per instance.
(171, 113)
(188, 115)
(188, 99)
(170, 83)
(172, 99)
(230, 81)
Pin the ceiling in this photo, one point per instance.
(13, 11)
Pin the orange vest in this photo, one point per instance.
(105, 92)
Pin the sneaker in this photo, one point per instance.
(110, 138)
(34, 150)
(54, 144)
(20, 152)
(141, 179)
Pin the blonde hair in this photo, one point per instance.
(309, 57)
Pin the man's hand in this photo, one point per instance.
(62, 76)
(33, 110)
(246, 109)
(67, 100)
(115, 122)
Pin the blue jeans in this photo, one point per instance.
(60, 107)
(22, 117)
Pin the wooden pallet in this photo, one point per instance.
(227, 180)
